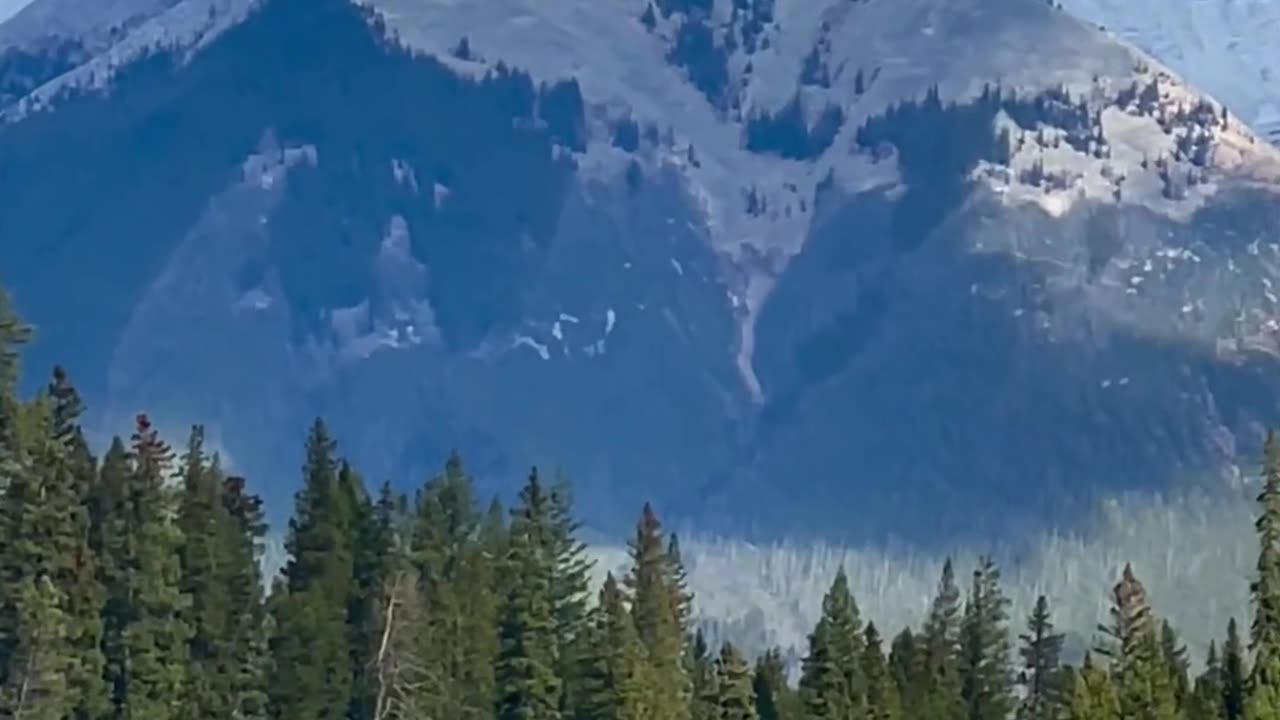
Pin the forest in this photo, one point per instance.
(131, 588)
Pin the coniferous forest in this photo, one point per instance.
(131, 588)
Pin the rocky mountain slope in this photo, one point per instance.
(847, 268)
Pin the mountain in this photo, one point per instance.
(1226, 46)
(851, 268)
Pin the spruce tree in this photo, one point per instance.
(570, 588)
(1205, 702)
(882, 698)
(775, 700)
(705, 694)
(906, 666)
(1174, 656)
(733, 681)
(986, 679)
(248, 627)
(202, 558)
(145, 600)
(615, 672)
(1265, 588)
(310, 647)
(1041, 675)
(455, 553)
(941, 696)
(36, 685)
(1092, 694)
(655, 615)
(1141, 677)
(831, 681)
(1235, 673)
(527, 686)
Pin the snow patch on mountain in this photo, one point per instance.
(1226, 46)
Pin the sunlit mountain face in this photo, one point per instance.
(854, 270)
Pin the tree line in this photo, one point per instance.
(131, 588)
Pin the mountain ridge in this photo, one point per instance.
(795, 239)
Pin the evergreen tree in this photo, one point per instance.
(616, 677)
(457, 555)
(882, 698)
(36, 682)
(775, 700)
(145, 604)
(1205, 702)
(1141, 676)
(1041, 675)
(247, 624)
(375, 563)
(705, 696)
(310, 648)
(831, 681)
(570, 587)
(1093, 695)
(733, 681)
(1234, 674)
(986, 679)
(654, 613)
(1174, 656)
(941, 693)
(906, 666)
(1265, 589)
(527, 685)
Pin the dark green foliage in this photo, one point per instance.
(883, 699)
(654, 610)
(831, 684)
(1235, 673)
(310, 647)
(528, 687)
(733, 684)
(986, 679)
(775, 699)
(125, 598)
(788, 133)
(1041, 675)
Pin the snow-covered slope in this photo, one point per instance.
(1227, 47)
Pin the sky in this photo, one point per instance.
(9, 7)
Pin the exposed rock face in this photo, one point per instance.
(844, 268)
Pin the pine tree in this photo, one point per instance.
(457, 555)
(1092, 695)
(831, 682)
(616, 677)
(986, 679)
(78, 578)
(1041, 674)
(310, 647)
(1142, 679)
(36, 685)
(145, 601)
(1265, 589)
(375, 564)
(654, 613)
(705, 696)
(1174, 656)
(882, 698)
(1234, 674)
(570, 587)
(775, 700)
(682, 598)
(203, 533)
(1205, 702)
(527, 685)
(906, 667)
(941, 696)
(248, 624)
(733, 681)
